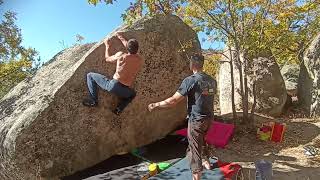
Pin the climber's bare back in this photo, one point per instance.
(128, 66)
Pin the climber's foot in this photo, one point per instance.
(89, 103)
(207, 165)
(117, 111)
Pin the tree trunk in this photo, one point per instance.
(239, 65)
(301, 49)
(254, 102)
(245, 83)
(234, 112)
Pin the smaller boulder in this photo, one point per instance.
(270, 88)
(290, 74)
(309, 79)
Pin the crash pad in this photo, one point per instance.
(218, 134)
(278, 132)
(181, 171)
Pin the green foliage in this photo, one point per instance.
(95, 2)
(140, 8)
(284, 27)
(211, 64)
(15, 60)
(11, 74)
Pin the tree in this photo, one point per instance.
(282, 29)
(211, 63)
(79, 39)
(257, 27)
(16, 61)
(286, 27)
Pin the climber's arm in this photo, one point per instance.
(170, 102)
(107, 43)
(114, 58)
(122, 38)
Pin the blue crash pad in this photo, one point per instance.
(181, 171)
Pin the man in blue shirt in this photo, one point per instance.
(199, 89)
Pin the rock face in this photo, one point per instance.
(309, 79)
(271, 94)
(46, 132)
(290, 74)
(224, 84)
(270, 88)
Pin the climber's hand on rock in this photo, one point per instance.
(107, 41)
(152, 106)
(120, 35)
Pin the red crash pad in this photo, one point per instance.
(218, 134)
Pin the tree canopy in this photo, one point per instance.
(284, 27)
(16, 61)
(253, 28)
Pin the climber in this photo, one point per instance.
(128, 65)
(199, 89)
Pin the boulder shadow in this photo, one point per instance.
(126, 166)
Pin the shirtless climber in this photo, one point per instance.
(199, 89)
(128, 65)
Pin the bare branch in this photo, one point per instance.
(162, 8)
(226, 31)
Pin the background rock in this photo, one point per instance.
(309, 79)
(224, 84)
(270, 88)
(290, 74)
(46, 132)
(271, 95)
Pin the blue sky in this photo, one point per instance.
(46, 24)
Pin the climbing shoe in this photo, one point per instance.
(117, 111)
(89, 103)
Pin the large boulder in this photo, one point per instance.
(45, 132)
(270, 90)
(309, 79)
(290, 74)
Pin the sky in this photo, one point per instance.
(50, 26)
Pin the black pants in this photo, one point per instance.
(198, 149)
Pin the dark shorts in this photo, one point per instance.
(198, 148)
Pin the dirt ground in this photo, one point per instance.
(288, 159)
